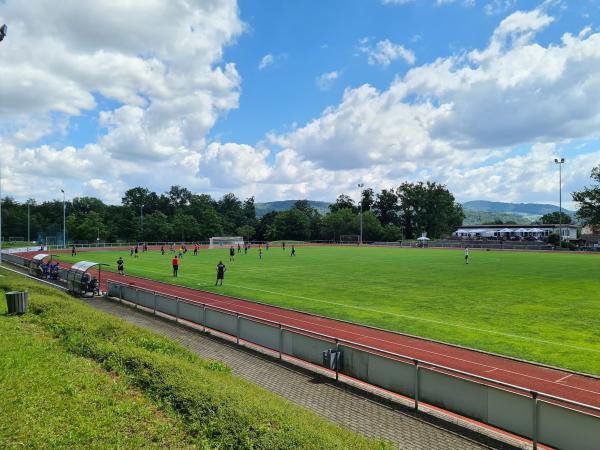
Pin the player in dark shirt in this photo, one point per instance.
(283, 246)
(162, 249)
(293, 253)
(220, 272)
(120, 263)
(231, 254)
(73, 251)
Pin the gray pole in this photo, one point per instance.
(560, 162)
(360, 185)
(142, 220)
(28, 224)
(0, 213)
(64, 220)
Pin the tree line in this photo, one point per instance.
(404, 212)
(180, 215)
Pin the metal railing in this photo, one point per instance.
(534, 396)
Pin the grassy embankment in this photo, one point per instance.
(75, 377)
(538, 306)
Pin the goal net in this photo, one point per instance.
(16, 239)
(225, 241)
(349, 238)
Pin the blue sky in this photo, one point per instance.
(299, 99)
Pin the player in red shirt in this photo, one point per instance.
(175, 263)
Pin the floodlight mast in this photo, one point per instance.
(2, 36)
(64, 220)
(360, 186)
(560, 162)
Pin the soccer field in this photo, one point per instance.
(541, 307)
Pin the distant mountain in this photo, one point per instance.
(527, 209)
(284, 205)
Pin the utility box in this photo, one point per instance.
(332, 359)
(17, 302)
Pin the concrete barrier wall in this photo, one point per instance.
(145, 298)
(259, 333)
(191, 312)
(390, 374)
(166, 305)
(566, 428)
(305, 347)
(220, 321)
(129, 294)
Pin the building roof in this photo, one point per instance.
(545, 225)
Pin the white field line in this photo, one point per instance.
(439, 322)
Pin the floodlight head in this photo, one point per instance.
(3, 31)
(556, 160)
(562, 160)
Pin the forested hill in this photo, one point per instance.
(284, 205)
(529, 209)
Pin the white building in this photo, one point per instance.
(516, 231)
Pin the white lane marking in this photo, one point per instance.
(563, 378)
(439, 322)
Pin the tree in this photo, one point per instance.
(556, 217)
(589, 201)
(342, 202)
(157, 227)
(339, 222)
(428, 207)
(185, 227)
(136, 197)
(386, 206)
(372, 229)
(367, 199)
(246, 231)
(292, 224)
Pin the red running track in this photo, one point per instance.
(563, 384)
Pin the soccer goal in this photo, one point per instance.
(349, 239)
(225, 241)
(16, 239)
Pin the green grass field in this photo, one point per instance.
(538, 306)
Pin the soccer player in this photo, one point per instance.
(267, 245)
(245, 249)
(135, 252)
(239, 248)
(131, 251)
(466, 255)
(162, 249)
(195, 249)
(293, 253)
(220, 272)
(120, 268)
(259, 253)
(73, 251)
(175, 263)
(283, 245)
(231, 254)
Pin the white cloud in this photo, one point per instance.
(325, 80)
(266, 61)
(385, 52)
(450, 120)
(498, 6)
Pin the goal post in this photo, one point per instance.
(349, 239)
(225, 241)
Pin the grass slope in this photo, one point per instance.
(538, 306)
(78, 388)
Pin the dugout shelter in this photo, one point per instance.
(84, 277)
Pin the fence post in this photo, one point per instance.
(237, 334)
(416, 362)
(154, 302)
(337, 360)
(280, 341)
(534, 433)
